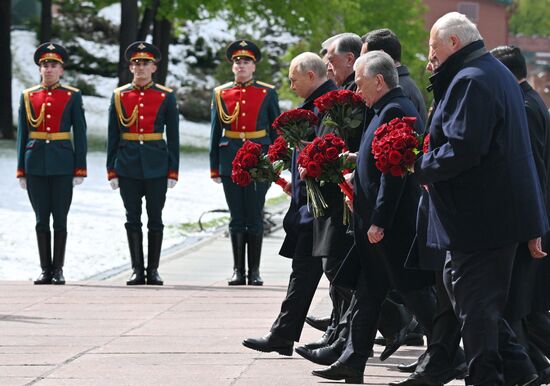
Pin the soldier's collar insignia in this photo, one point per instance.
(141, 46)
(51, 47)
(243, 43)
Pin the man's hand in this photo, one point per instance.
(352, 157)
(375, 234)
(78, 180)
(535, 248)
(171, 183)
(303, 172)
(217, 180)
(288, 189)
(114, 183)
(23, 183)
(349, 203)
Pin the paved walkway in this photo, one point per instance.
(188, 332)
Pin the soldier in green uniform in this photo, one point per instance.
(139, 160)
(50, 162)
(242, 109)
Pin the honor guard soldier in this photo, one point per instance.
(242, 109)
(139, 160)
(50, 162)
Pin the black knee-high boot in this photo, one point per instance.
(153, 258)
(135, 243)
(238, 242)
(59, 243)
(45, 254)
(254, 253)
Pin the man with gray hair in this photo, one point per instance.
(384, 217)
(308, 79)
(484, 195)
(342, 51)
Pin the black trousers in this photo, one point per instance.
(477, 284)
(132, 192)
(50, 196)
(246, 205)
(366, 313)
(443, 352)
(303, 282)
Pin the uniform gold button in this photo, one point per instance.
(48, 116)
(141, 117)
(48, 104)
(48, 129)
(141, 105)
(243, 102)
(243, 90)
(49, 93)
(244, 127)
(141, 130)
(142, 93)
(243, 114)
(69, 93)
(264, 91)
(163, 95)
(47, 141)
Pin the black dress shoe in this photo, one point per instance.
(322, 356)
(412, 339)
(410, 368)
(340, 371)
(416, 379)
(320, 324)
(270, 343)
(44, 278)
(321, 342)
(57, 277)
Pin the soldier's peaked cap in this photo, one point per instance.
(47, 52)
(243, 49)
(142, 51)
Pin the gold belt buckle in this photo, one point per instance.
(242, 135)
(48, 136)
(140, 137)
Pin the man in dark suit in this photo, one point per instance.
(242, 109)
(384, 215)
(48, 164)
(139, 160)
(308, 79)
(529, 298)
(484, 196)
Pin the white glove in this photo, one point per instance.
(172, 183)
(23, 183)
(114, 183)
(217, 180)
(77, 180)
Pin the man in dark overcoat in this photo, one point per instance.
(384, 215)
(308, 79)
(484, 195)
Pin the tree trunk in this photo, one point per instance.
(46, 21)
(6, 122)
(128, 33)
(162, 35)
(147, 20)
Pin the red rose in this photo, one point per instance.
(396, 171)
(408, 157)
(399, 144)
(241, 178)
(249, 161)
(409, 120)
(319, 158)
(313, 169)
(395, 157)
(332, 153)
(382, 166)
(426, 145)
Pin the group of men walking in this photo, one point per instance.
(457, 246)
(451, 242)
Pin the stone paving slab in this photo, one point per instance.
(188, 332)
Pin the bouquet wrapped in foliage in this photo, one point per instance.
(325, 160)
(344, 111)
(280, 151)
(295, 126)
(250, 165)
(396, 146)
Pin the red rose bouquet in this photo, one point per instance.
(250, 165)
(396, 146)
(295, 126)
(344, 111)
(325, 160)
(279, 151)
